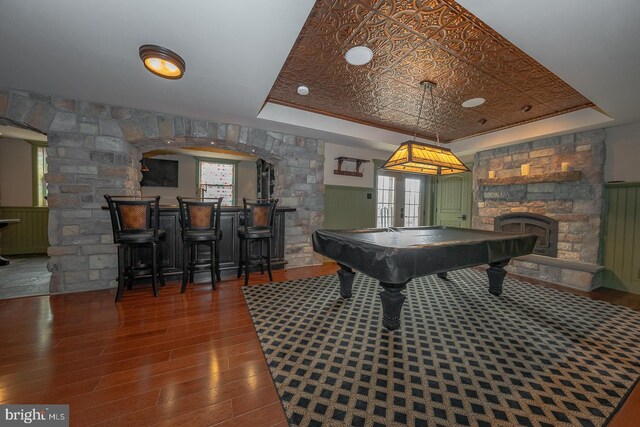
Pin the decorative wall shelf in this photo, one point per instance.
(358, 163)
(532, 179)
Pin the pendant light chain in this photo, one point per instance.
(433, 105)
(424, 91)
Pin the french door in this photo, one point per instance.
(400, 200)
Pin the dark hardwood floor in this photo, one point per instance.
(190, 359)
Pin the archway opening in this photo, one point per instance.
(23, 212)
(200, 172)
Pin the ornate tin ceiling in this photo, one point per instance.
(414, 40)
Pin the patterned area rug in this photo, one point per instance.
(533, 356)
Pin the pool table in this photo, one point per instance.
(394, 256)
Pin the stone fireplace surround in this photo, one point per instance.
(94, 149)
(574, 198)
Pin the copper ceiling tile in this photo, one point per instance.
(415, 40)
(423, 17)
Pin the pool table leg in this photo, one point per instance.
(496, 275)
(392, 300)
(346, 276)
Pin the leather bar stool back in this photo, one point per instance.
(135, 223)
(259, 219)
(200, 222)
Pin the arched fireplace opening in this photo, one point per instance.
(528, 223)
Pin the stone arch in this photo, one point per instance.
(149, 145)
(94, 150)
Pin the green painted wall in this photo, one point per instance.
(30, 236)
(621, 237)
(349, 207)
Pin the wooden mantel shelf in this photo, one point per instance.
(532, 179)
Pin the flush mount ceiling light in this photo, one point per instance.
(526, 108)
(162, 61)
(303, 90)
(473, 102)
(416, 157)
(359, 55)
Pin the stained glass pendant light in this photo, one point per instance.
(417, 157)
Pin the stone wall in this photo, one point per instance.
(576, 204)
(94, 149)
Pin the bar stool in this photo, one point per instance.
(135, 223)
(200, 223)
(258, 225)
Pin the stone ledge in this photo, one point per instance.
(574, 274)
(554, 177)
(562, 263)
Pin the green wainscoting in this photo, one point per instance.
(30, 236)
(621, 237)
(348, 207)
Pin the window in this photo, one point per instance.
(39, 156)
(412, 192)
(217, 180)
(385, 201)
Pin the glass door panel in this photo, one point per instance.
(385, 206)
(412, 202)
(399, 200)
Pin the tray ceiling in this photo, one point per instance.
(412, 41)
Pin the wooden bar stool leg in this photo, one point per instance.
(154, 268)
(185, 266)
(121, 261)
(160, 273)
(192, 265)
(128, 266)
(217, 246)
(247, 261)
(269, 259)
(213, 266)
(241, 257)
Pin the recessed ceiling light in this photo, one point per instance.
(359, 55)
(168, 142)
(526, 108)
(473, 102)
(303, 90)
(162, 61)
(213, 142)
(482, 121)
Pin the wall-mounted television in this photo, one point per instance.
(162, 173)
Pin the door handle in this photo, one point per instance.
(463, 217)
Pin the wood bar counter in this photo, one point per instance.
(230, 219)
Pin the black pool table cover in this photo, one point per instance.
(397, 255)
